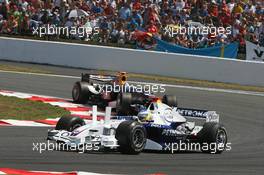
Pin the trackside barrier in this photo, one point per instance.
(137, 61)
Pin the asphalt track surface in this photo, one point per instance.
(242, 116)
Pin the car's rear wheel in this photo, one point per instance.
(213, 135)
(69, 123)
(123, 103)
(80, 92)
(131, 136)
(170, 100)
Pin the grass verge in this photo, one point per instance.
(7, 67)
(22, 109)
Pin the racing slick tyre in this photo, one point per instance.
(131, 136)
(80, 92)
(69, 123)
(170, 100)
(123, 103)
(214, 136)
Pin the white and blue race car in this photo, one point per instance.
(157, 127)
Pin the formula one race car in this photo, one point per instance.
(158, 127)
(114, 91)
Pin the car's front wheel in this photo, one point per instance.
(69, 123)
(131, 136)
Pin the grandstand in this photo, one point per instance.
(136, 22)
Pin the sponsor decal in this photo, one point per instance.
(170, 132)
(254, 52)
(192, 113)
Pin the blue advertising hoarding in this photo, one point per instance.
(226, 51)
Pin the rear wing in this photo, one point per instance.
(98, 78)
(208, 116)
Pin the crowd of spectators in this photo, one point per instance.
(117, 20)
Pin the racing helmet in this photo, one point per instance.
(121, 78)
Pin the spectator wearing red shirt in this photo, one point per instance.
(214, 10)
(152, 29)
(109, 11)
(225, 18)
(137, 5)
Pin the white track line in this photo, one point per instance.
(40, 74)
(137, 82)
(28, 95)
(25, 123)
